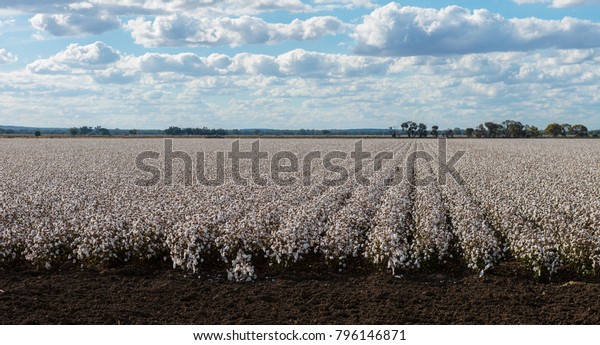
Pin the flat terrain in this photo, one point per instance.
(165, 296)
(514, 209)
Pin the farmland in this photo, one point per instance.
(88, 236)
(80, 202)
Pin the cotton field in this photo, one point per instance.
(80, 201)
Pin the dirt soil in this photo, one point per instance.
(160, 295)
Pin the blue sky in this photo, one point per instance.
(298, 63)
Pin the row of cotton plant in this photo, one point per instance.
(432, 238)
(479, 245)
(477, 241)
(348, 231)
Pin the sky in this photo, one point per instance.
(151, 64)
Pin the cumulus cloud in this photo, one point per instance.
(74, 58)
(184, 64)
(75, 23)
(178, 30)
(158, 7)
(107, 64)
(488, 74)
(73, 17)
(560, 3)
(347, 4)
(7, 57)
(304, 63)
(394, 30)
(297, 62)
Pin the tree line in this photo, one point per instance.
(506, 129)
(411, 129)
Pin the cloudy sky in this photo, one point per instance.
(298, 63)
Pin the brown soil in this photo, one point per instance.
(165, 296)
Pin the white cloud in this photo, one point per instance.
(569, 3)
(158, 7)
(179, 30)
(304, 63)
(560, 3)
(99, 59)
(90, 22)
(184, 64)
(75, 58)
(7, 22)
(254, 64)
(346, 4)
(394, 30)
(7, 57)
(259, 6)
(107, 65)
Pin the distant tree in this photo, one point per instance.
(73, 131)
(481, 132)
(85, 130)
(449, 133)
(532, 132)
(579, 130)
(514, 129)
(327, 132)
(405, 126)
(458, 131)
(554, 129)
(133, 132)
(99, 130)
(220, 132)
(567, 129)
(413, 129)
(173, 131)
(37, 133)
(393, 132)
(469, 132)
(494, 130)
(422, 130)
(435, 131)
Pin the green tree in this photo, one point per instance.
(567, 129)
(579, 130)
(435, 131)
(532, 132)
(554, 129)
(422, 130)
(514, 129)
(469, 132)
(494, 130)
(85, 130)
(73, 131)
(173, 131)
(37, 133)
(405, 126)
(101, 131)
